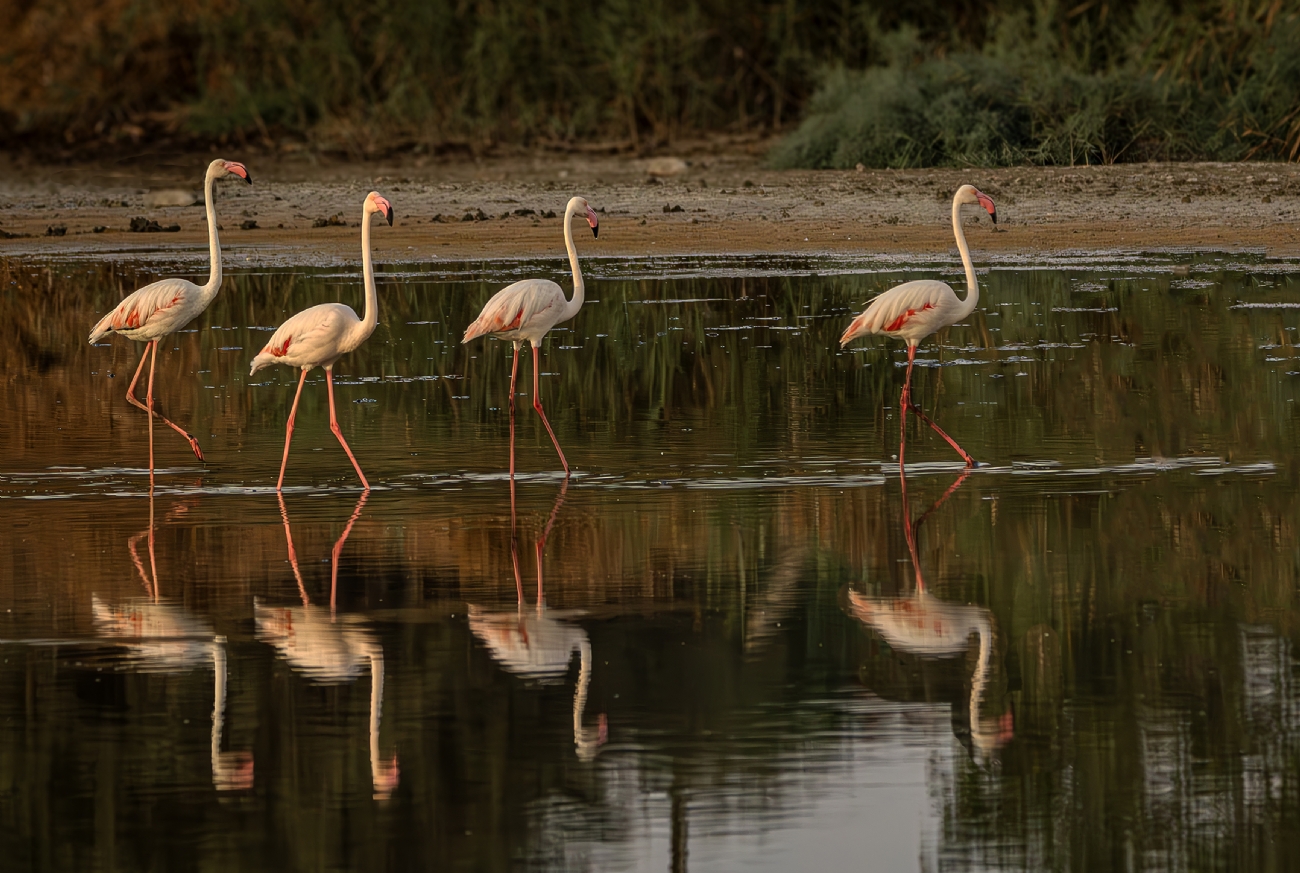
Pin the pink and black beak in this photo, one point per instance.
(385, 209)
(594, 221)
(238, 169)
(987, 202)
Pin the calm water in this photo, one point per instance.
(1086, 662)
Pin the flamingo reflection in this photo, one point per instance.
(538, 644)
(330, 649)
(930, 628)
(166, 638)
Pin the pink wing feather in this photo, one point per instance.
(912, 304)
(150, 312)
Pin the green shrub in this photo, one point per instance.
(1213, 81)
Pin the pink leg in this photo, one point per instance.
(514, 371)
(153, 358)
(334, 426)
(131, 398)
(907, 402)
(537, 404)
(338, 550)
(288, 435)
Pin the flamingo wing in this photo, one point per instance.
(309, 338)
(151, 312)
(531, 306)
(893, 310)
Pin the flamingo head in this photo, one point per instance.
(580, 203)
(220, 168)
(376, 203)
(971, 194)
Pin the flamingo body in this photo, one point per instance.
(910, 312)
(315, 337)
(320, 335)
(154, 311)
(522, 312)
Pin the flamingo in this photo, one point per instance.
(528, 309)
(161, 309)
(319, 336)
(914, 310)
(931, 628)
(331, 650)
(540, 646)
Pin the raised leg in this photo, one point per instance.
(334, 426)
(514, 371)
(537, 404)
(288, 435)
(134, 401)
(908, 403)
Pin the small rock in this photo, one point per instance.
(1187, 198)
(148, 225)
(1268, 198)
(665, 166)
(99, 228)
(56, 230)
(748, 183)
(335, 220)
(676, 208)
(860, 168)
(550, 213)
(248, 224)
(525, 211)
(170, 197)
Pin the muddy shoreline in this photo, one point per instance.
(727, 204)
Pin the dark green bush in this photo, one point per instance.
(1213, 81)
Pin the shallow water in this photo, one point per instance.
(734, 667)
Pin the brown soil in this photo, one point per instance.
(729, 203)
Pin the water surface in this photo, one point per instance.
(732, 665)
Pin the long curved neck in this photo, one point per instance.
(972, 287)
(214, 244)
(371, 316)
(579, 292)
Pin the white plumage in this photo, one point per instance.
(914, 310)
(527, 310)
(320, 335)
(162, 308)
